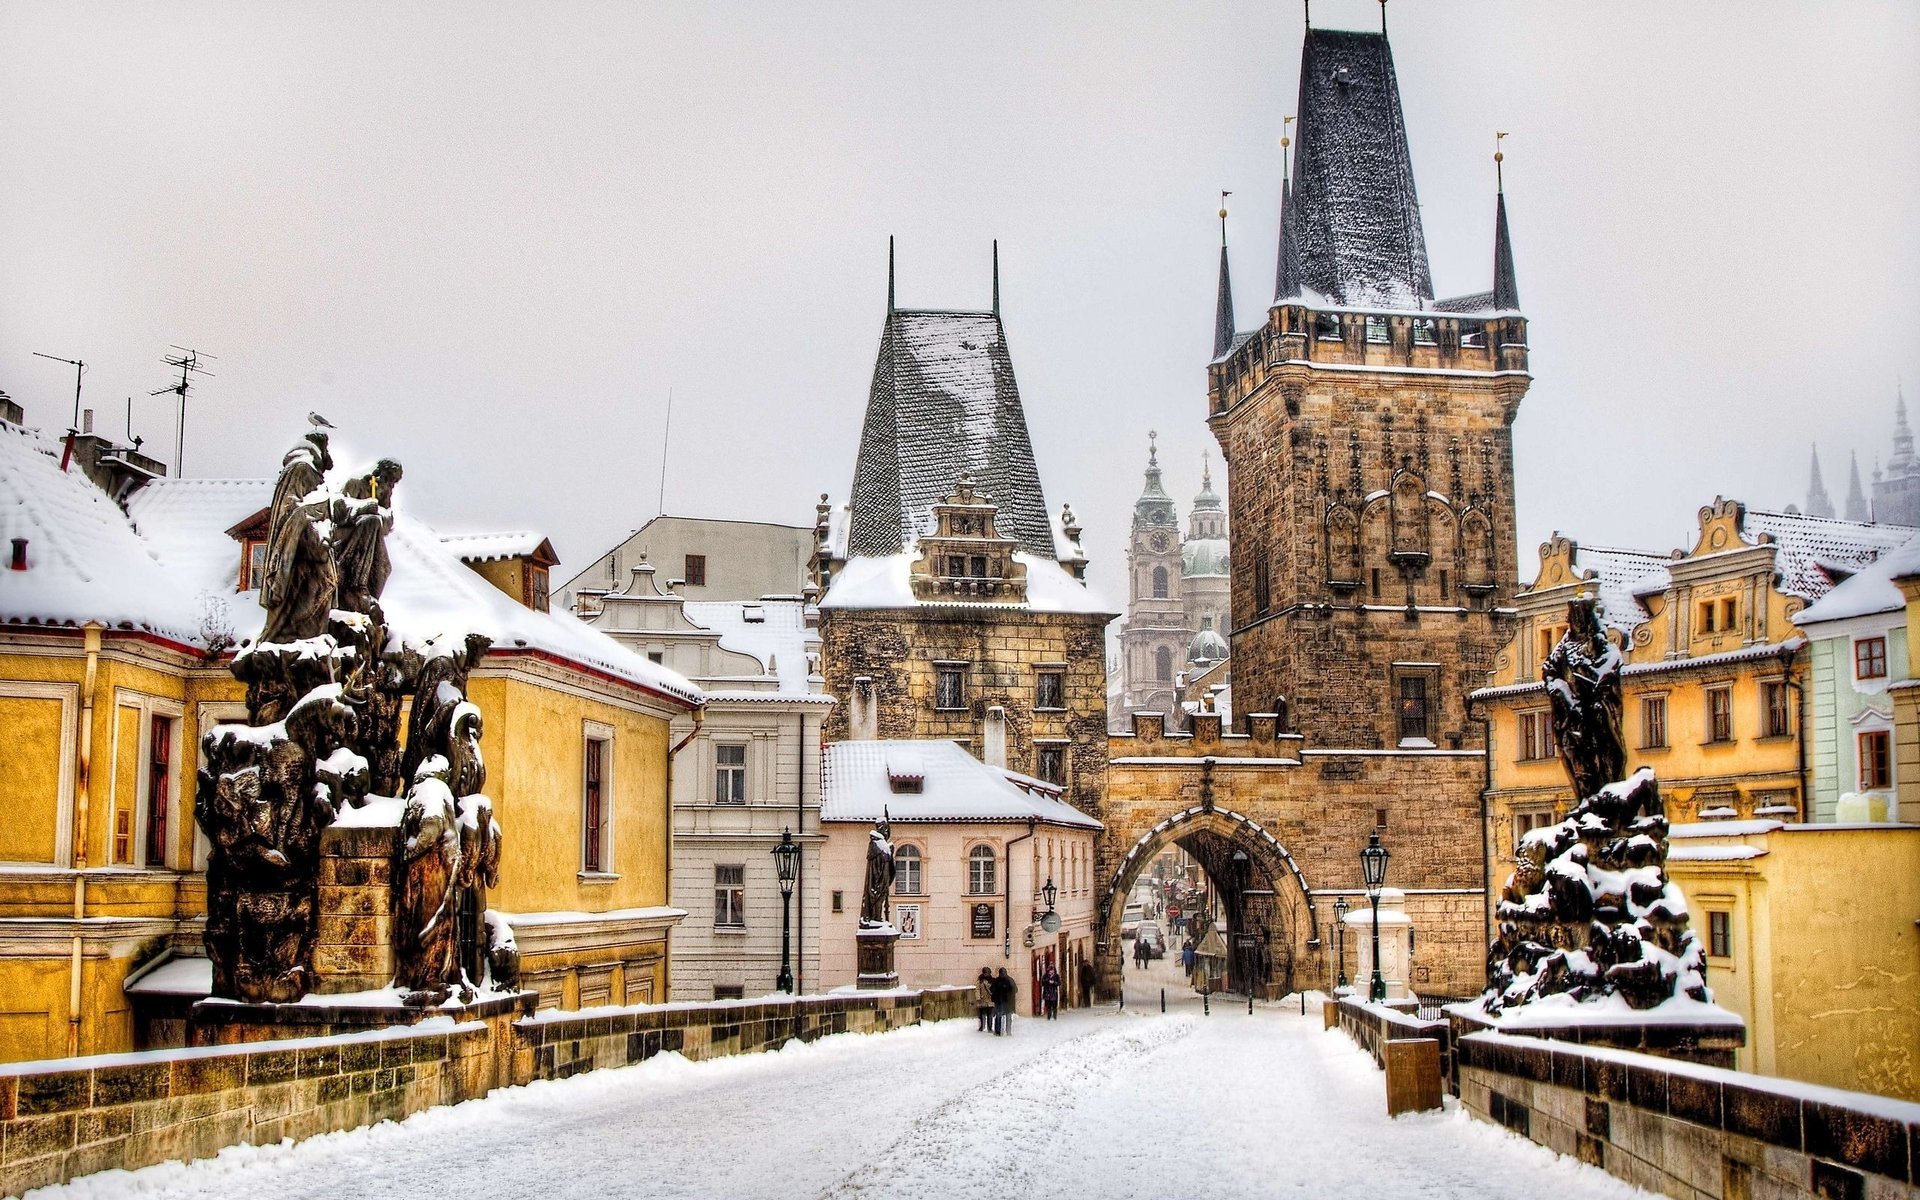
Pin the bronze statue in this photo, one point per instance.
(362, 517)
(1588, 911)
(874, 901)
(301, 578)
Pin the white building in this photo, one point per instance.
(702, 559)
(744, 775)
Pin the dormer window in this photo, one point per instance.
(253, 564)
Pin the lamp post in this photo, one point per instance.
(1373, 869)
(1340, 910)
(786, 861)
(1049, 892)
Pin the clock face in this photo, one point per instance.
(1159, 543)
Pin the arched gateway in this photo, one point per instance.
(1255, 884)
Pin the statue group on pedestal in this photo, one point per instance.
(326, 684)
(1588, 911)
(876, 897)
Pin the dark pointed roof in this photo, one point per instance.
(1506, 288)
(1818, 502)
(1351, 228)
(1223, 308)
(943, 402)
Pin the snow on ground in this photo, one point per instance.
(1106, 1103)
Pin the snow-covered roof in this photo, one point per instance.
(1620, 575)
(1807, 542)
(1870, 590)
(772, 630)
(169, 565)
(885, 581)
(1203, 557)
(85, 562)
(858, 783)
(492, 547)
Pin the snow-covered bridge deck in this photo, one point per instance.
(1100, 1104)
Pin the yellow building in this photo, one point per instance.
(1714, 698)
(116, 620)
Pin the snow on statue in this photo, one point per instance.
(1588, 914)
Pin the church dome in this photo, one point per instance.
(1204, 556)
(1206, 647)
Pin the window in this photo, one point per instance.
(1262, 596)
(1377, 329)
(1163, 664)
(1870, 658)
(1526, 822)
(1876, 760)
(1050, 690)
(1729, 613)
(537, 598)
(839, 901)
(906, 871)
(1653, 722)
(983, 875)
(1719, 714)
(729, 897)
(1779, 719)
(1706, 616)
(729, 774)
(696, 572)
(1413, 707)
(593, 811)
(1050, 763)
(949, 686)
(1550, 636)
(159, 788)
(1720, 934)
(1536, 735)
(253, 564)
(1379, 818)
(1159, 583)
(956, 565)
(656, 656)
(977, 566)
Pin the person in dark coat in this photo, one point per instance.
(1004, 990)
(1050, 992)
(983, 996)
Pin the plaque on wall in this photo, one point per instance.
(906, 919)
(983, 920)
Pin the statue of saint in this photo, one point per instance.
(1582, 674)
(875, 899)
(300, 580)
(362, 518)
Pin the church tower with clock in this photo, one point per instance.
(1155, 637)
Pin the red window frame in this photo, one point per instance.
(1870, 658)
(159, 787)
(593, 818)
(1876, 760)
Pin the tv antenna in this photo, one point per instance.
(189, 363)
(665, 433)
(79, 369)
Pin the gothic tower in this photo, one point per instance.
(1153, 642)
(1366, 427)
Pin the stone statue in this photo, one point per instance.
(362, 517)
(439, 687)
(876, 898)
(301, 579)
(426, 898)
(1588, 911)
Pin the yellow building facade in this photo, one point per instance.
(117, 621)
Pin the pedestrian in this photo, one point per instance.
(1004, 990)
(1086, 983)
(1050, 992)
(1187, 955)
(983, 996)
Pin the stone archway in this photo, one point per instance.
(1225, 833)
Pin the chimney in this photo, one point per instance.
(863, 723)
(86, 421)
(19, 562)
(993, 748)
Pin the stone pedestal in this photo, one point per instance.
(874, 957)
(1396, 944)
(353, 949)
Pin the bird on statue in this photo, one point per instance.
(318, 422)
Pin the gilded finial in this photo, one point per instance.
(1499, 156)
(1153, 450)
(1223, 217)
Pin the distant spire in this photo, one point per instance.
(1506, 286)
(1857, 509)
(1206, 471)
(1154, 508)
(1286, 276)
(1902, 462)
(889, 272)
(996, 277)
(1818, 504)
(1223, 307)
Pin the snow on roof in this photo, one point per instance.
(771, 630)
(955, 786)
(84, 561)
(885, 581)
(1620, 576)
(491, 547)
(1806, 542)
(175, 977)
(1870, 590)
(183, 524)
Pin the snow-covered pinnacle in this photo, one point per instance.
(1903, 461)
(1223, 307)
(1506, 287)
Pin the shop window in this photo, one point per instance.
(1870, 658)
(729, 896)
(983, 871)
(730, 774)
(1876, 760)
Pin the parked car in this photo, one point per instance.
(1130, 920)
(1150, 936)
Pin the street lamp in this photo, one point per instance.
(1049, 892)
(1373, 869)
(786, 861)
(1340, 910)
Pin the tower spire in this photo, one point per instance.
(1506, 286)
(889, 272)
(1286, 275)
(1818, 503)
(1857, 509)
(996, 277)
(1223, 306)
(1902, 462)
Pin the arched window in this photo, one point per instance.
(906, 871)
(1159, 583)
(983, 873)
(1163, 664)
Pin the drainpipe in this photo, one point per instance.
(1006, 945)
(83, 786)
(800, 864)
(699, 716)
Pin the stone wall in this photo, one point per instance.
(72, 1117)
(1691, 1131)
(1372, 1026)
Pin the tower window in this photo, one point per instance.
(950, 687)
(1261, 593)
(1050, 690)
(1163, 664)
(1412, 704)
(1159, 583)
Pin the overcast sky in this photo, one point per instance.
(487, 239)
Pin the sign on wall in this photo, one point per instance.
(906, 919)
(983, 920)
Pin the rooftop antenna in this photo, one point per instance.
(79, 369)
(135, 441)
(996, 277)
(189, 363)
(666, 432)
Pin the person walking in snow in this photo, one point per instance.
(1050, 992)
(983, 996)
(1187, 955)
(1004, 990)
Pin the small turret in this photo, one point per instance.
(1223, 306)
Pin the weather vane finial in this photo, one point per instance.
(1153, 450)
(1499, 156)
(1223, 217)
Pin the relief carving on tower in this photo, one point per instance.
(965, 558)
